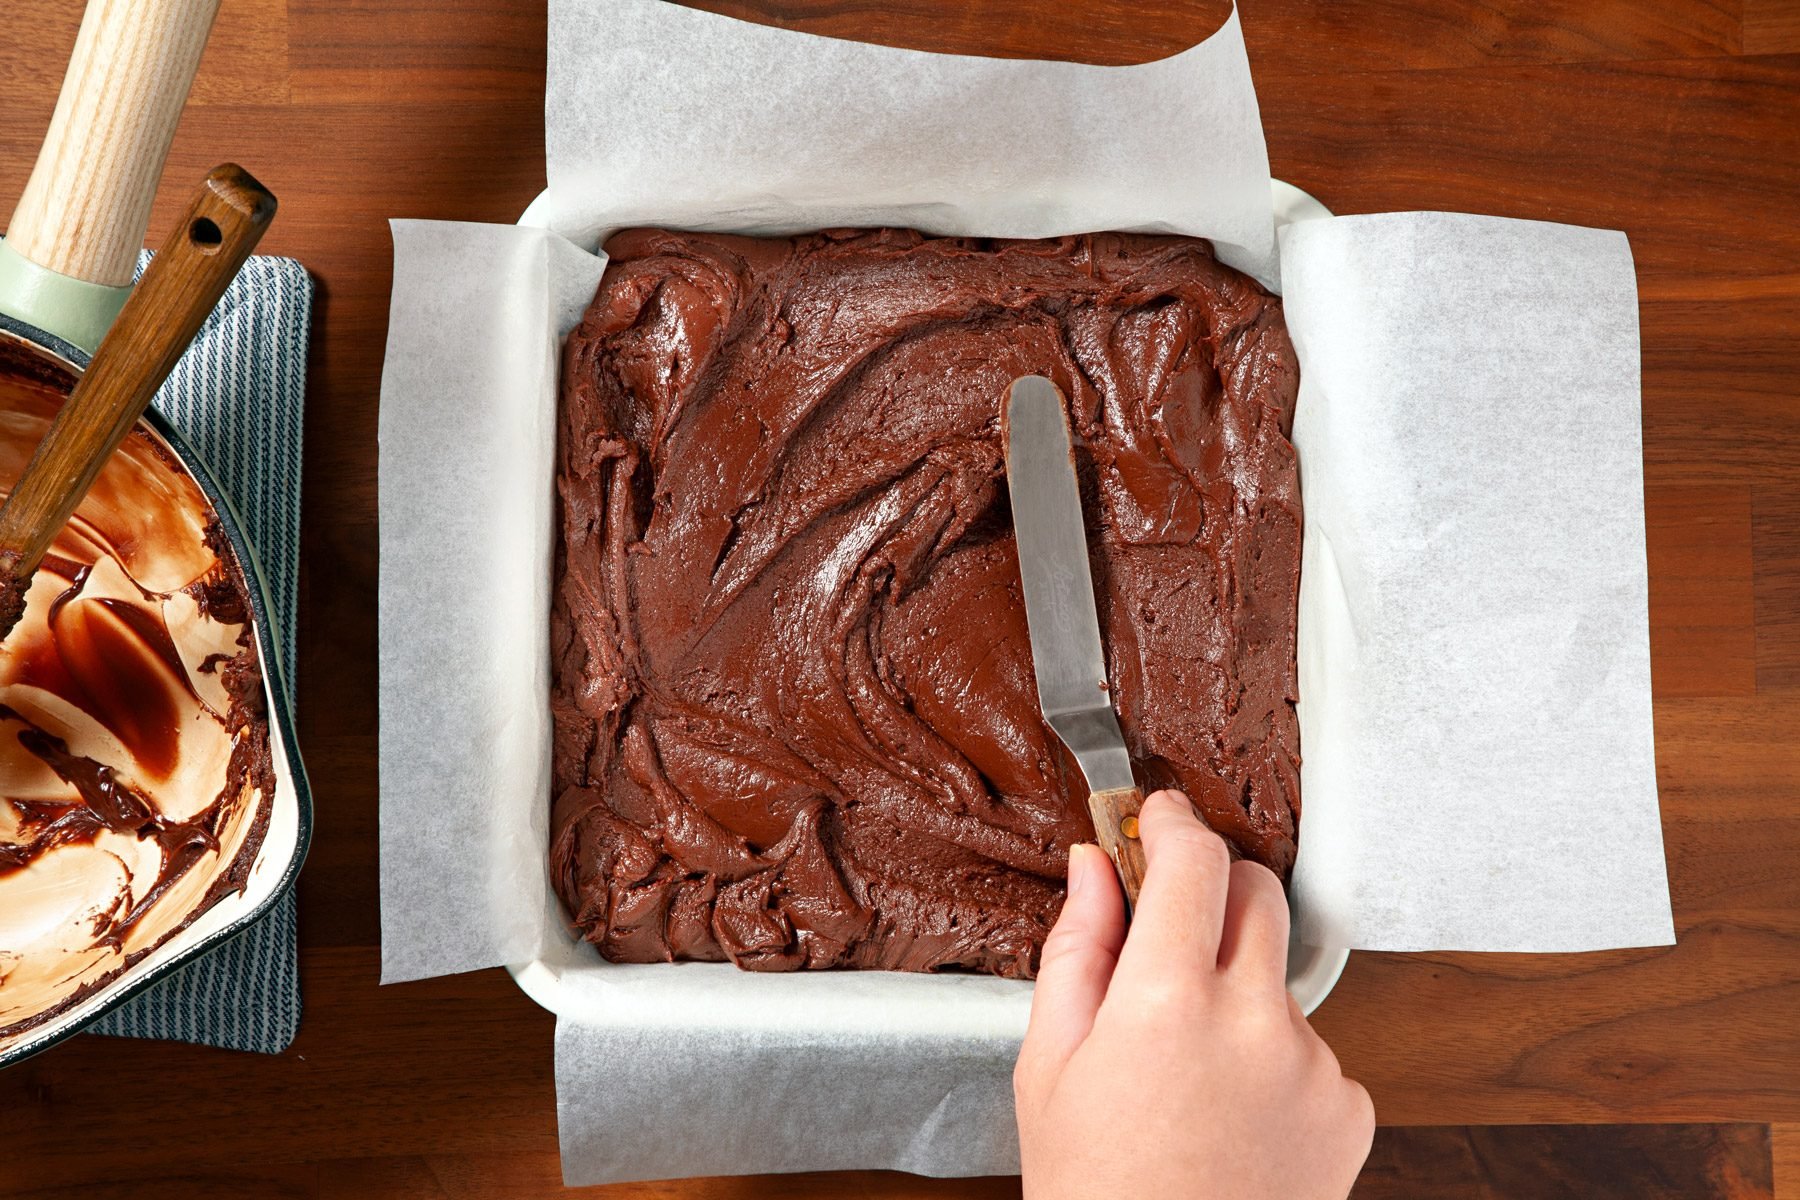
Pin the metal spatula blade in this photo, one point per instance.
(1066, 653)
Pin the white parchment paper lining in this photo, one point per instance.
(1474, 640)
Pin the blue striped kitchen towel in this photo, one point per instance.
(238, 395)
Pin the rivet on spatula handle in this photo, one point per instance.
(179, 290)
(1115, 816)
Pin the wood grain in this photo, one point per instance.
(1676, 120)
(1703, 599)
(1785, 1144)
(1593, 1162)
(1775, 541)
(86, 204)
(1504, 1162)
(246, 59)
(1771, 27)
(398, 51)
(1115, 817)
(1309, 36)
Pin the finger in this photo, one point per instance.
(1186, 876)
(1352, 1122)
(1253, 938)
(1297, 1016)
(1362, 1118)
(1077, 964)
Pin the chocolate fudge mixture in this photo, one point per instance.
(795, 718)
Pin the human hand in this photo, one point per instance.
(1172, 1063)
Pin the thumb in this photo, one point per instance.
(1077, 965)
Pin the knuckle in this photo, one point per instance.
(1256, 879)
(1170, 999)
(1321, 1060)
(1269, 1022)
(1068, 954)
(1073, 927)
(1199, 845)
(1362, 1110)
(1025, 1079)
(1058, 944)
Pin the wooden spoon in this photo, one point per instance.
(178, 291)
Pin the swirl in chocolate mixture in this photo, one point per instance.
(135, 768)
(794, 711)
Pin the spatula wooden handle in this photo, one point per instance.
(179, 289)
(84, 211)
(1115, 817)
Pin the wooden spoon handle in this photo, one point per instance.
(85, 208)
(1115, 817)
(180, 288)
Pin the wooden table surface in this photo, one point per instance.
(1675, 120)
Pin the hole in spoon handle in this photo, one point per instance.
(205, 235)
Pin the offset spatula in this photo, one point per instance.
(1060, 612)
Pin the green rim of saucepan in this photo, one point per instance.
(274, 680)
(73, 310)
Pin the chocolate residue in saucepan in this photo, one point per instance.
(136, 773)
(12, 593)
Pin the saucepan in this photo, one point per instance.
(66, 266)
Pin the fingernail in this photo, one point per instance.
(1078, 867)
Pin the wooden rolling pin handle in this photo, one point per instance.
(1115, 817)
(84, 211)
(182, 286)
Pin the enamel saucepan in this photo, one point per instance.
(66, 266)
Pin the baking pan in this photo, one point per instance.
(1312, 970)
